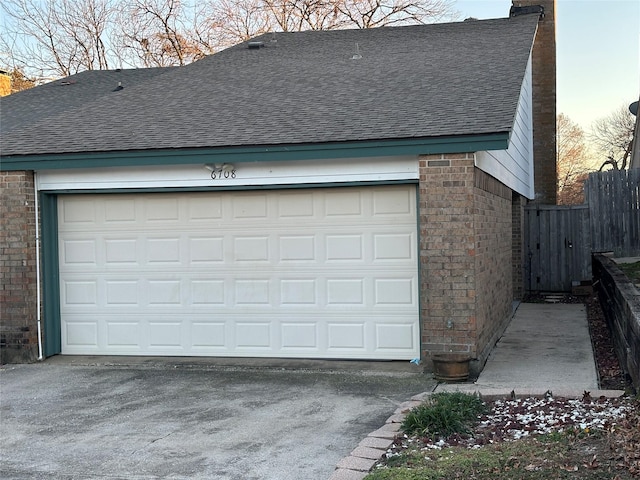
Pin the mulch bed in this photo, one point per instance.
(611, 375)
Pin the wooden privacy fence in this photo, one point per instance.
(559, 240)
(614, 208)
(557, 250)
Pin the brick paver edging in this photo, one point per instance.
(360, 461)
(358, 464)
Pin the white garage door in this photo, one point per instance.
(315, 273)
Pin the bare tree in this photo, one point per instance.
(235, 21)
(292, 15)
(56, 38)
(59, 38)
(244, 19)
(572, 161)
(613, 136)
(160, 33)
(375, 13)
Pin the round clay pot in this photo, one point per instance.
(451, 367)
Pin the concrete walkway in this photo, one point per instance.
(546, 347)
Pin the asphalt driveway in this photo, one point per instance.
(162, 419)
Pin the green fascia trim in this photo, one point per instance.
(50, 274)
(380, 148)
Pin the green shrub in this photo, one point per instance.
(444, 414)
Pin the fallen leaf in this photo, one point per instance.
(592, 464)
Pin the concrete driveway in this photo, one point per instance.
(177, 419)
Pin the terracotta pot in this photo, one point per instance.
(451, 367)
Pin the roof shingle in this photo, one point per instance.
(412, 82)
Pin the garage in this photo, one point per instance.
(302, 272)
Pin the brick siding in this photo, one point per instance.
(493, 230)
(465, 247)
(518, 253)
(18, 328)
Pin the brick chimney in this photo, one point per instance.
(544, 99)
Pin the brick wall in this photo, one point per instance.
(493, 255)
(544, 102)
(18, 328)
(447, 264)
(465, 257)
(518, 254)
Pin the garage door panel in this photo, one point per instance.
(393, 246)
(164, 293)
(344, 247)
(79, 252)
(346, 336)
(122, 293)
(76, 293)
(345, 291)
(321, 273)
(162, 290)
(253, 335)
(340, 203)
(395, 336)
(121, 251)
(81, 334)
(252, 292)
(297, 248)
(250, 206)
(206, 335)
(393, 202)
(206, 250)
(165, 334)
(82, 212)
(296, 336)
(162, 209)
(296, 205)
(204, 208)
(163, 250)
(120, 211)
(207, 292)
(299, 291)
(395, 292)
(251, 249)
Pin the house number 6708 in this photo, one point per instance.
(223, 174)
(219, 172)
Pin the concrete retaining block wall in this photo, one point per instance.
(620, 301)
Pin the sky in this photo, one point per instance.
(597, 53)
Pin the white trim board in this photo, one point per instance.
(246, 174)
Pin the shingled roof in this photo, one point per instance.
(424, 81)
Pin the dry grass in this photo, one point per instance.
(631, 270)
